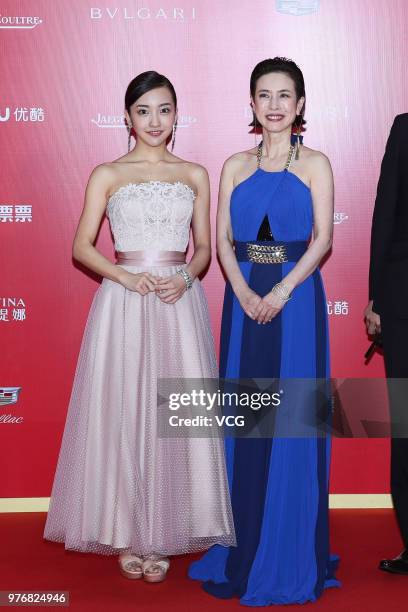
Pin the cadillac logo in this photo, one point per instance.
(9, 395)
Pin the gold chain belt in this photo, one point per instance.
(262, 253)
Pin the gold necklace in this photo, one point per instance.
(288, 161)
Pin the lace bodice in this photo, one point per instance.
(151, 215)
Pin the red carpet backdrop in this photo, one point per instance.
(65, 65)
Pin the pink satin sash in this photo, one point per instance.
(150, 258)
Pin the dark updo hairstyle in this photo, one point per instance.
(287, 66)
(144, 82)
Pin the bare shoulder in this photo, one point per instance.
(194, 174)
(317, 171)
(236, 162)
(197, 172)
(103, 176)
(315, 160)
(242, 157)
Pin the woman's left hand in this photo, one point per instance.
(170, 289)
(268, 308)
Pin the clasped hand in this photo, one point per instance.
(262, 310)
(372, 320)
(168, 289)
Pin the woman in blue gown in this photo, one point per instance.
(272, 200)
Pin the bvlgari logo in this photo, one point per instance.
(297, 7)
(19, 23)
(142, 13)
(118, 121)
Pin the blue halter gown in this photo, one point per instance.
(279, 486)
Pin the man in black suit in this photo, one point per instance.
(387, 312)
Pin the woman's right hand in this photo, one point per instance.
(372, 320)
(142, 282)
(249, 300)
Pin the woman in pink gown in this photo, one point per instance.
(119, 488)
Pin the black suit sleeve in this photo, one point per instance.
(384, 211)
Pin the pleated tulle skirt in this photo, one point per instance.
(118, 486)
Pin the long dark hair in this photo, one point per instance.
(280, 64)
(145, 82)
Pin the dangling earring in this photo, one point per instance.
(173, 137)
(255, 129)
(299, 129)
(129, 129)
(255, 124)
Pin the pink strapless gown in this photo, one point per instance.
(118, 487)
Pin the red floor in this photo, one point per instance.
(360, 537)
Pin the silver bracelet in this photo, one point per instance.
(187, 278)
(281, 290)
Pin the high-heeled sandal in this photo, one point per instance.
(131, 566)
(155, 568)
